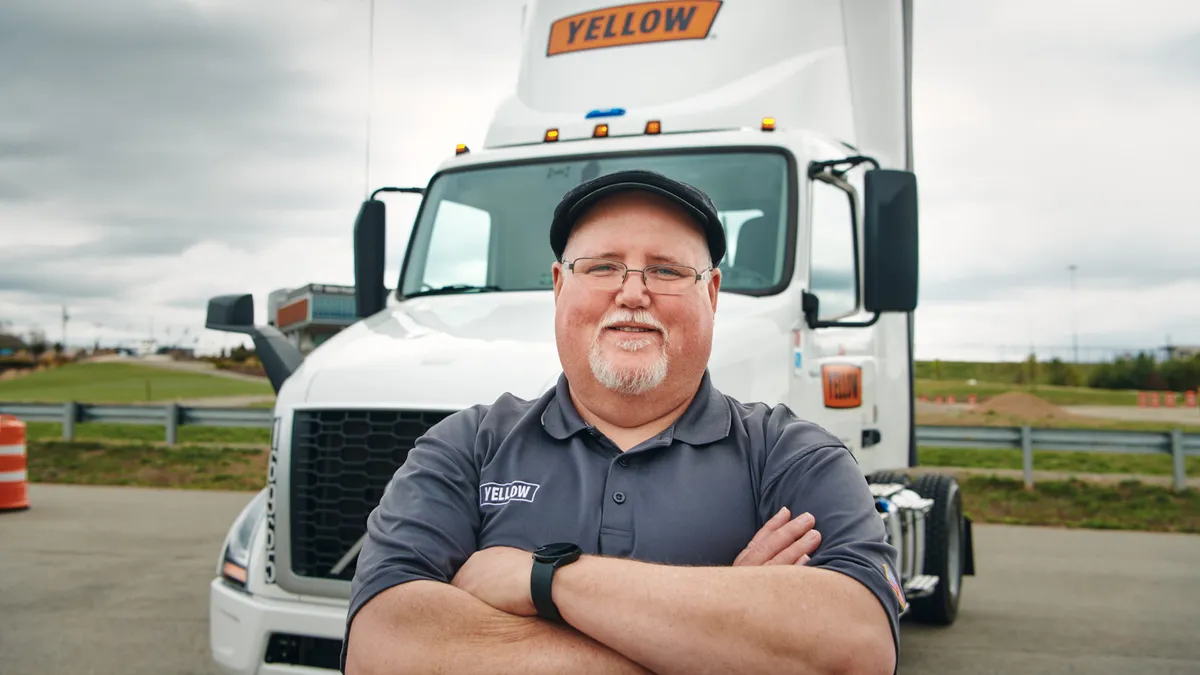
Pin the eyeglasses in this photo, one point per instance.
(609, 275)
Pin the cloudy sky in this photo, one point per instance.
(154, 153)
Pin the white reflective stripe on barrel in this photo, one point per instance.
(12, 449)
(12, 476)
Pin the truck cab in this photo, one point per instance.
(792, 115)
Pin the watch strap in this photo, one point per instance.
(540, 582)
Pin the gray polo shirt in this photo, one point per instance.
(526, 473)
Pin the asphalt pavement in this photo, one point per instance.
(114, 580)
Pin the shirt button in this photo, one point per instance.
(619, 497)
(624, 461)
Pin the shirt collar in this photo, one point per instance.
(706, 420)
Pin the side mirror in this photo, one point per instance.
(231, 313)
(369, 248)
(890, 241)
(235, 314)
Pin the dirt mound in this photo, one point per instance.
(1021, 404)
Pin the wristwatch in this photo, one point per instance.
(547, 559)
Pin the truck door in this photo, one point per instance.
(835, 366)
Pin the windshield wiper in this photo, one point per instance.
(455, 288)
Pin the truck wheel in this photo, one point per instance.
(882, 477)
(943, 549)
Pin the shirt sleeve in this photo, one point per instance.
(810, 470)
(426, 523)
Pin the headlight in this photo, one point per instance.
(235, 554)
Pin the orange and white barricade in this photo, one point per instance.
(14, 475)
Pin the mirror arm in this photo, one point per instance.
(235, 314)
(413, 190)
(815, 168)
(811, 303)
(279, 357)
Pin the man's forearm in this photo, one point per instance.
(727, 619)
(425, 627)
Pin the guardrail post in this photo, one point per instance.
(172, 423)
(1177, 457)
(70, 414)
(1027, 455)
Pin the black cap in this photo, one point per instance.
(579, 198)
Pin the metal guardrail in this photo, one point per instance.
(1174, 443)
(172, 416)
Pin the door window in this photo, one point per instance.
(834, 272)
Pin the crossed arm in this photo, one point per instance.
(766, 613)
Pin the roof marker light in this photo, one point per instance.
(768, 124)
(653, 127)
(461, 148)
(600, 131)
(610, 112)
(551, 135)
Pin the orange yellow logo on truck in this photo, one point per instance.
(635, 24)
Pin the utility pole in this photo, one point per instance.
(1074, 328)
(64, 329)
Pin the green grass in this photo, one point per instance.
(122, 383)
(1081, 422)
(1056, 395)
(995, 371)
(1049, 460)
(1129, 505)
(145, 465)
(104, 431)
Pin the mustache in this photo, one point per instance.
(640, 316)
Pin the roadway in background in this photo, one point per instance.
(114, 580)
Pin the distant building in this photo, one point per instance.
(11, 345)
(311, 314)
(1183, 353)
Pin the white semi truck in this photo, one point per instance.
(794, 115)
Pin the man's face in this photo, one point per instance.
(632, 341)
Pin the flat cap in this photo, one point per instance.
(581, 197)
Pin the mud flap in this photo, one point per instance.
(968, 552)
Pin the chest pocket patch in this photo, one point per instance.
(499, 494)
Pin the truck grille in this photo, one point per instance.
(342, 461)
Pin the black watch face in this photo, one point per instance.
(555, 550)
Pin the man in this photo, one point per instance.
(674, 525)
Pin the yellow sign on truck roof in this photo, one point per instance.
(634, 24)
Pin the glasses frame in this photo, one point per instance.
(698, 274)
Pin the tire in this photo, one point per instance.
(881, 477)
(943, 550)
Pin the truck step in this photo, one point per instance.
(920, 586)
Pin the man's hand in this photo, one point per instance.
(499, 576)
(781, 541)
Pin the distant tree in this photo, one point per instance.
(1028, 372)
(1182, 375)
(1061, 374)
(1139, 372)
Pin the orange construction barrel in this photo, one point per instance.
(14, 476)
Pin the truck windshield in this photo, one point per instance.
(487, 228)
